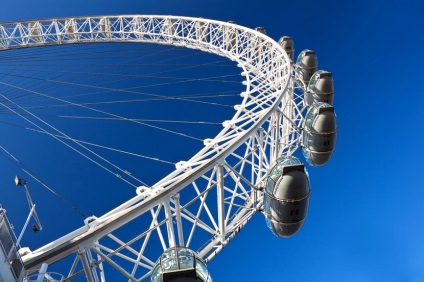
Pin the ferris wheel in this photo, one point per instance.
(192, 213)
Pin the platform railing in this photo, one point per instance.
(45, 277)
(9, 248)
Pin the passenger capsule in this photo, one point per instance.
(261, 29)
(180, 264)
(286, 196)
(320, 88)
(319, 134)
(287, 43)
(307, 65)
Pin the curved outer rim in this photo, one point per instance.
(23, 35)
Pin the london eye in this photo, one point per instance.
(171, 229)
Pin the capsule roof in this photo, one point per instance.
(261, 29)
(321, 83)
(321, 118)
(180, 264)
(307, 58)
(285, 40)
(287, 179)
(287, 43)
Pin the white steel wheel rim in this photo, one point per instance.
(267, 100)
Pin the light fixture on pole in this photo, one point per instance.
(19, 181)
(36, 227)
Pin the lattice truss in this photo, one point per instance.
(205, 202)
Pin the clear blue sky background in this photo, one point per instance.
(365, 221)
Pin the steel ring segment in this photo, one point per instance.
(265, 65)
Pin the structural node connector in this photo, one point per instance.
(307, 65)
(286, 196)
(320, 89)
(319, 134)
(180, 264)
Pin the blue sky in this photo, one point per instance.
(365, 217)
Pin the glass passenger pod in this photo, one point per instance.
(180, 264)
(319, 134)
(261, 29)
(320, 88)
(286, 197)
(287, 43)
(307, 65)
